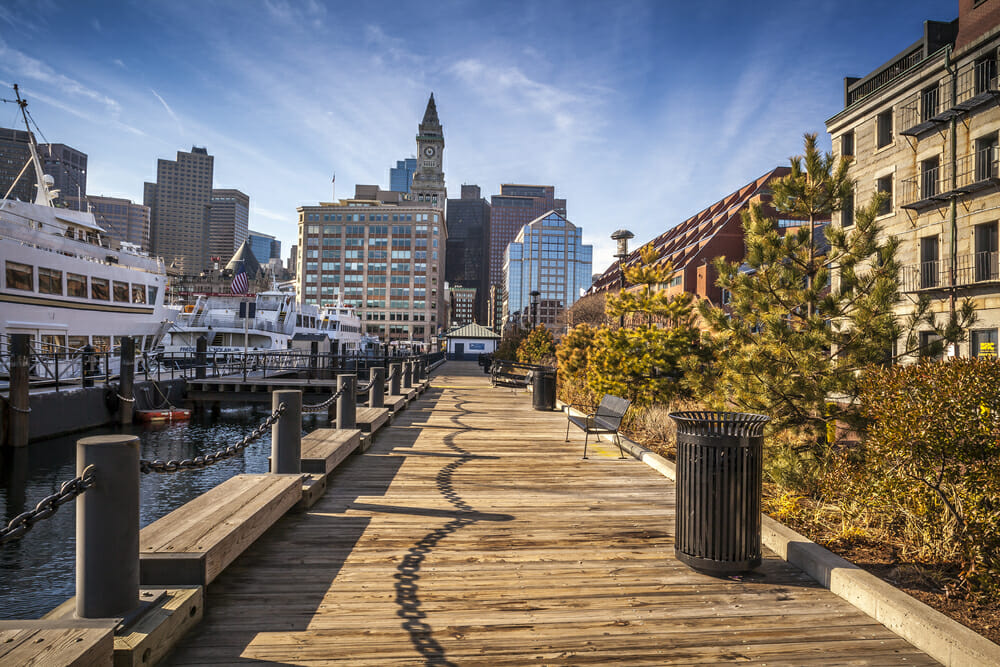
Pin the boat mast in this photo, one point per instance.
(44, 196)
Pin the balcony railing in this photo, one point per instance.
(970, 270)
(975, 84)
(933, 186)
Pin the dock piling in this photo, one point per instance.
(20, 404)
(347, 408)
(126, 381)
(395, 375)
(286, 433)
(376, 395)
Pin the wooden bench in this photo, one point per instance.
(195, 542)
(326, 448)
(509, 374)
(78, 643)
(607, 419)
(370, 420)
(395, 402)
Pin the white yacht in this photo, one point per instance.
(343, 327)
(66, 285)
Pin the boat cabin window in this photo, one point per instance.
(52, 343)
(99, 289)
(50, 281)
(121, 292)
(138, 294)
(101, 343)
(76, 285)
(20, 276)
(77, 342)
(151, 294)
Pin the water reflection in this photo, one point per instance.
(37, 571)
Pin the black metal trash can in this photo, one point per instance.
(719, 462)
(543, 387)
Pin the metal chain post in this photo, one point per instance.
(286, 433)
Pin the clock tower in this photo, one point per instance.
(428, 180)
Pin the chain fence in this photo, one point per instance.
(320, 407)
(161, 466)
(22, 523)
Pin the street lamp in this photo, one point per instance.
(621, 237)
(534, 308)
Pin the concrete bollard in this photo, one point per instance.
(407, 374)
(395, 374)
(286, 433)
(376, 395)
(126, 381)
(19, 401)
(107, 527)
(347, 409)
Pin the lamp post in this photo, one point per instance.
(534, 308)
(621, 237)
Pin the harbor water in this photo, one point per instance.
(37, 572)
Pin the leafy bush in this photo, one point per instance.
(510, 341)
(573, 357)
(932, 457)
(538, 347)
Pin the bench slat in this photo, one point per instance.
(321, 454)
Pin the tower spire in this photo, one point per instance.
(430, 123)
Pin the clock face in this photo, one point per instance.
(429, 151)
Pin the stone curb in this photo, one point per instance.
(942, 638)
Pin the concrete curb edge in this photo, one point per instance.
(929, 630)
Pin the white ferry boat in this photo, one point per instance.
(343, 327)
(67, 286)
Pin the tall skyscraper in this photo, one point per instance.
(381, 253)
(179, 207)
(401, 176)
(228, 223)
(467, 262)
(428, 181)
(546, 256)
(264, 247)
(14, 154)
(68, 167)
(514, 207)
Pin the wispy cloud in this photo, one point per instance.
(96, 25)
(170, 112)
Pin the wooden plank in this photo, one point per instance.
(75, 643)
(215, 529)
(395, 402)
(324, 449)
(471, 533)
(372, 419)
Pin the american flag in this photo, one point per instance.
(240, 283)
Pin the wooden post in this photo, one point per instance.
(407, 374)
(107, 527)
(126, 381)
(200, 357)
(20, 403)
(376, 395)
(395, 371)
(347, 409)
(286, 433)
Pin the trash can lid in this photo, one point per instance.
(707, 422)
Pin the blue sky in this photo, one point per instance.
(640, 113)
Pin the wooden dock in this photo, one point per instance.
(470, 533)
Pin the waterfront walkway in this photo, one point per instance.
(470, 533)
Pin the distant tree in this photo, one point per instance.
(589, 309)
(538, 347)
(510, 339)
(653, 361)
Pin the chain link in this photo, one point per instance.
(23, 411)
(161, 466)
(320, 407)
(22, 523)
(364, 389)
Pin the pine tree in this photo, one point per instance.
(792, 345)
(538, 347)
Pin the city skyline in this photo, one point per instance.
(639, 113)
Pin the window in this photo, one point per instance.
(20, 276)
(928, 103)
(884, 184)
(986, 155)
(99, 289)
(928, 262)
(986, 251)
(49, 281)
(929, 177)
(121, 292)
(931, 345)
(847, 144)
(151, 291)
(986, 74)
(883, 131)
(76, 285)
(984, 344)
(847, 213)
(138, 294)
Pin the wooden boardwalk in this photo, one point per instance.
(470, 533)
